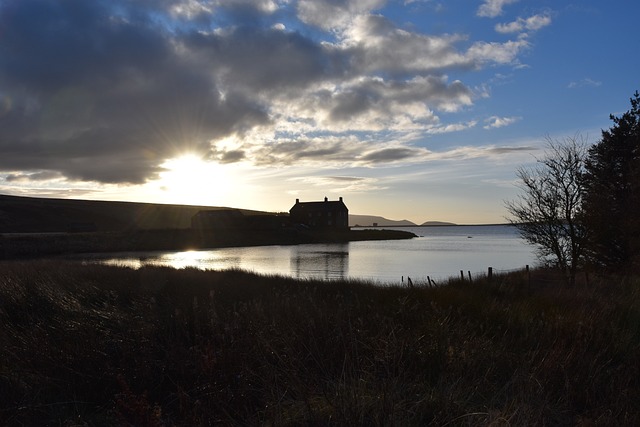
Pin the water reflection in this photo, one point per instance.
(210, 259)
(440, 253)
(330, 261)
(196, 259)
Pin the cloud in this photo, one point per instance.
(586, 82)
(373, 103)
(376, 45)
(30, 177)
(106, 92)
(508, 150)
(102, 97)
(452, 127)
(533, 23)
(495, 122)
(232, 156)
(500, 53)
(493, 8)
(304, 151)
(480, 152)
(386, 155)
(334, 151)
(336, 14)
(340, 184)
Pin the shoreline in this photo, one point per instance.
(38, 245)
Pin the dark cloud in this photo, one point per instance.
(300, 151)
(262, 60)
(52, 44)
(389, 98)
(232, 156)
(354, 102)
(392, 154)
(39, 176)
(507, 150)
(99, 95)
(346, 178)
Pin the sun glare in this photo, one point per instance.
(190, 180)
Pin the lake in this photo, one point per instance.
(439, 252)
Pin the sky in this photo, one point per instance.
(408, 109)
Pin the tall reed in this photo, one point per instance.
(107, 345)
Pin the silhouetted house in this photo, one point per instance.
(220, 219)
(326, 214)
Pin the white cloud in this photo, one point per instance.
(370, 104)
(586, 82)
(493, 8)
(332, 15)
(487, 151)
(190, 9)
(501, 53)
(495, 122)
(340, 184)
(533, 23)
(376, 45)
(452, 127)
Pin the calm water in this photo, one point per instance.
(439, 252)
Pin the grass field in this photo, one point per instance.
(100, 345)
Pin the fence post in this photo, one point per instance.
(490, 274)
(469, 272)
(462, 275)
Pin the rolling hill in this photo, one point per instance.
(42, 215)
(369, 220)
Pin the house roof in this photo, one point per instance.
(326, 205)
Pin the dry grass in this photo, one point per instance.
(96, 345)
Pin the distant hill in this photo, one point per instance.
(369, 220)
(41, 215)
(435, 223)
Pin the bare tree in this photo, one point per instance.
(548, 212)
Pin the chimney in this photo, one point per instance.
(326, 200)
(340, 198)
(297, 201)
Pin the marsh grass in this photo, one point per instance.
(101, 345)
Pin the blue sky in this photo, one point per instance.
(418, 110)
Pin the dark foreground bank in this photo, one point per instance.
(100, 345)
(33, 245)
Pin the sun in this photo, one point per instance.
(188, 179)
